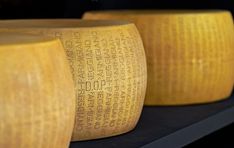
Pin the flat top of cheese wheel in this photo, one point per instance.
(155, 12)
(21, 38)
(60, 23)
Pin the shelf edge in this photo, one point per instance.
(191, 133)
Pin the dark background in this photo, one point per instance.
(16, 9)
(222, 138)
(75, 8)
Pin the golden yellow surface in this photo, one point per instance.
(190, 54)
(108, 64)
(37, 98)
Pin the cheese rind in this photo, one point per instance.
(108, 64)
(190, 54)
(37, 97)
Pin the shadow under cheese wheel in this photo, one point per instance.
(190, 54)
(108, 64)
(37, 97)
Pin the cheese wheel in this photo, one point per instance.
(37, 97)
(108, 64)
(189, 53)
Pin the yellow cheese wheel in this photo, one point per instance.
(190, 54)
(37, 97)
(109, 68)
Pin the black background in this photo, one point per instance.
(75, 8)
(17, 9)
(221, 138)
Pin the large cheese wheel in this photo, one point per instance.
(190, 54)
(109, 68)
(37, 97)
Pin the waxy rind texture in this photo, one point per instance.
(108, 64)
(190, 54)
(37, 97)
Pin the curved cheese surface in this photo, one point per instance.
(108, 64)
(37, 97)
(189, 54)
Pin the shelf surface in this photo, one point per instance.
(170, 126)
